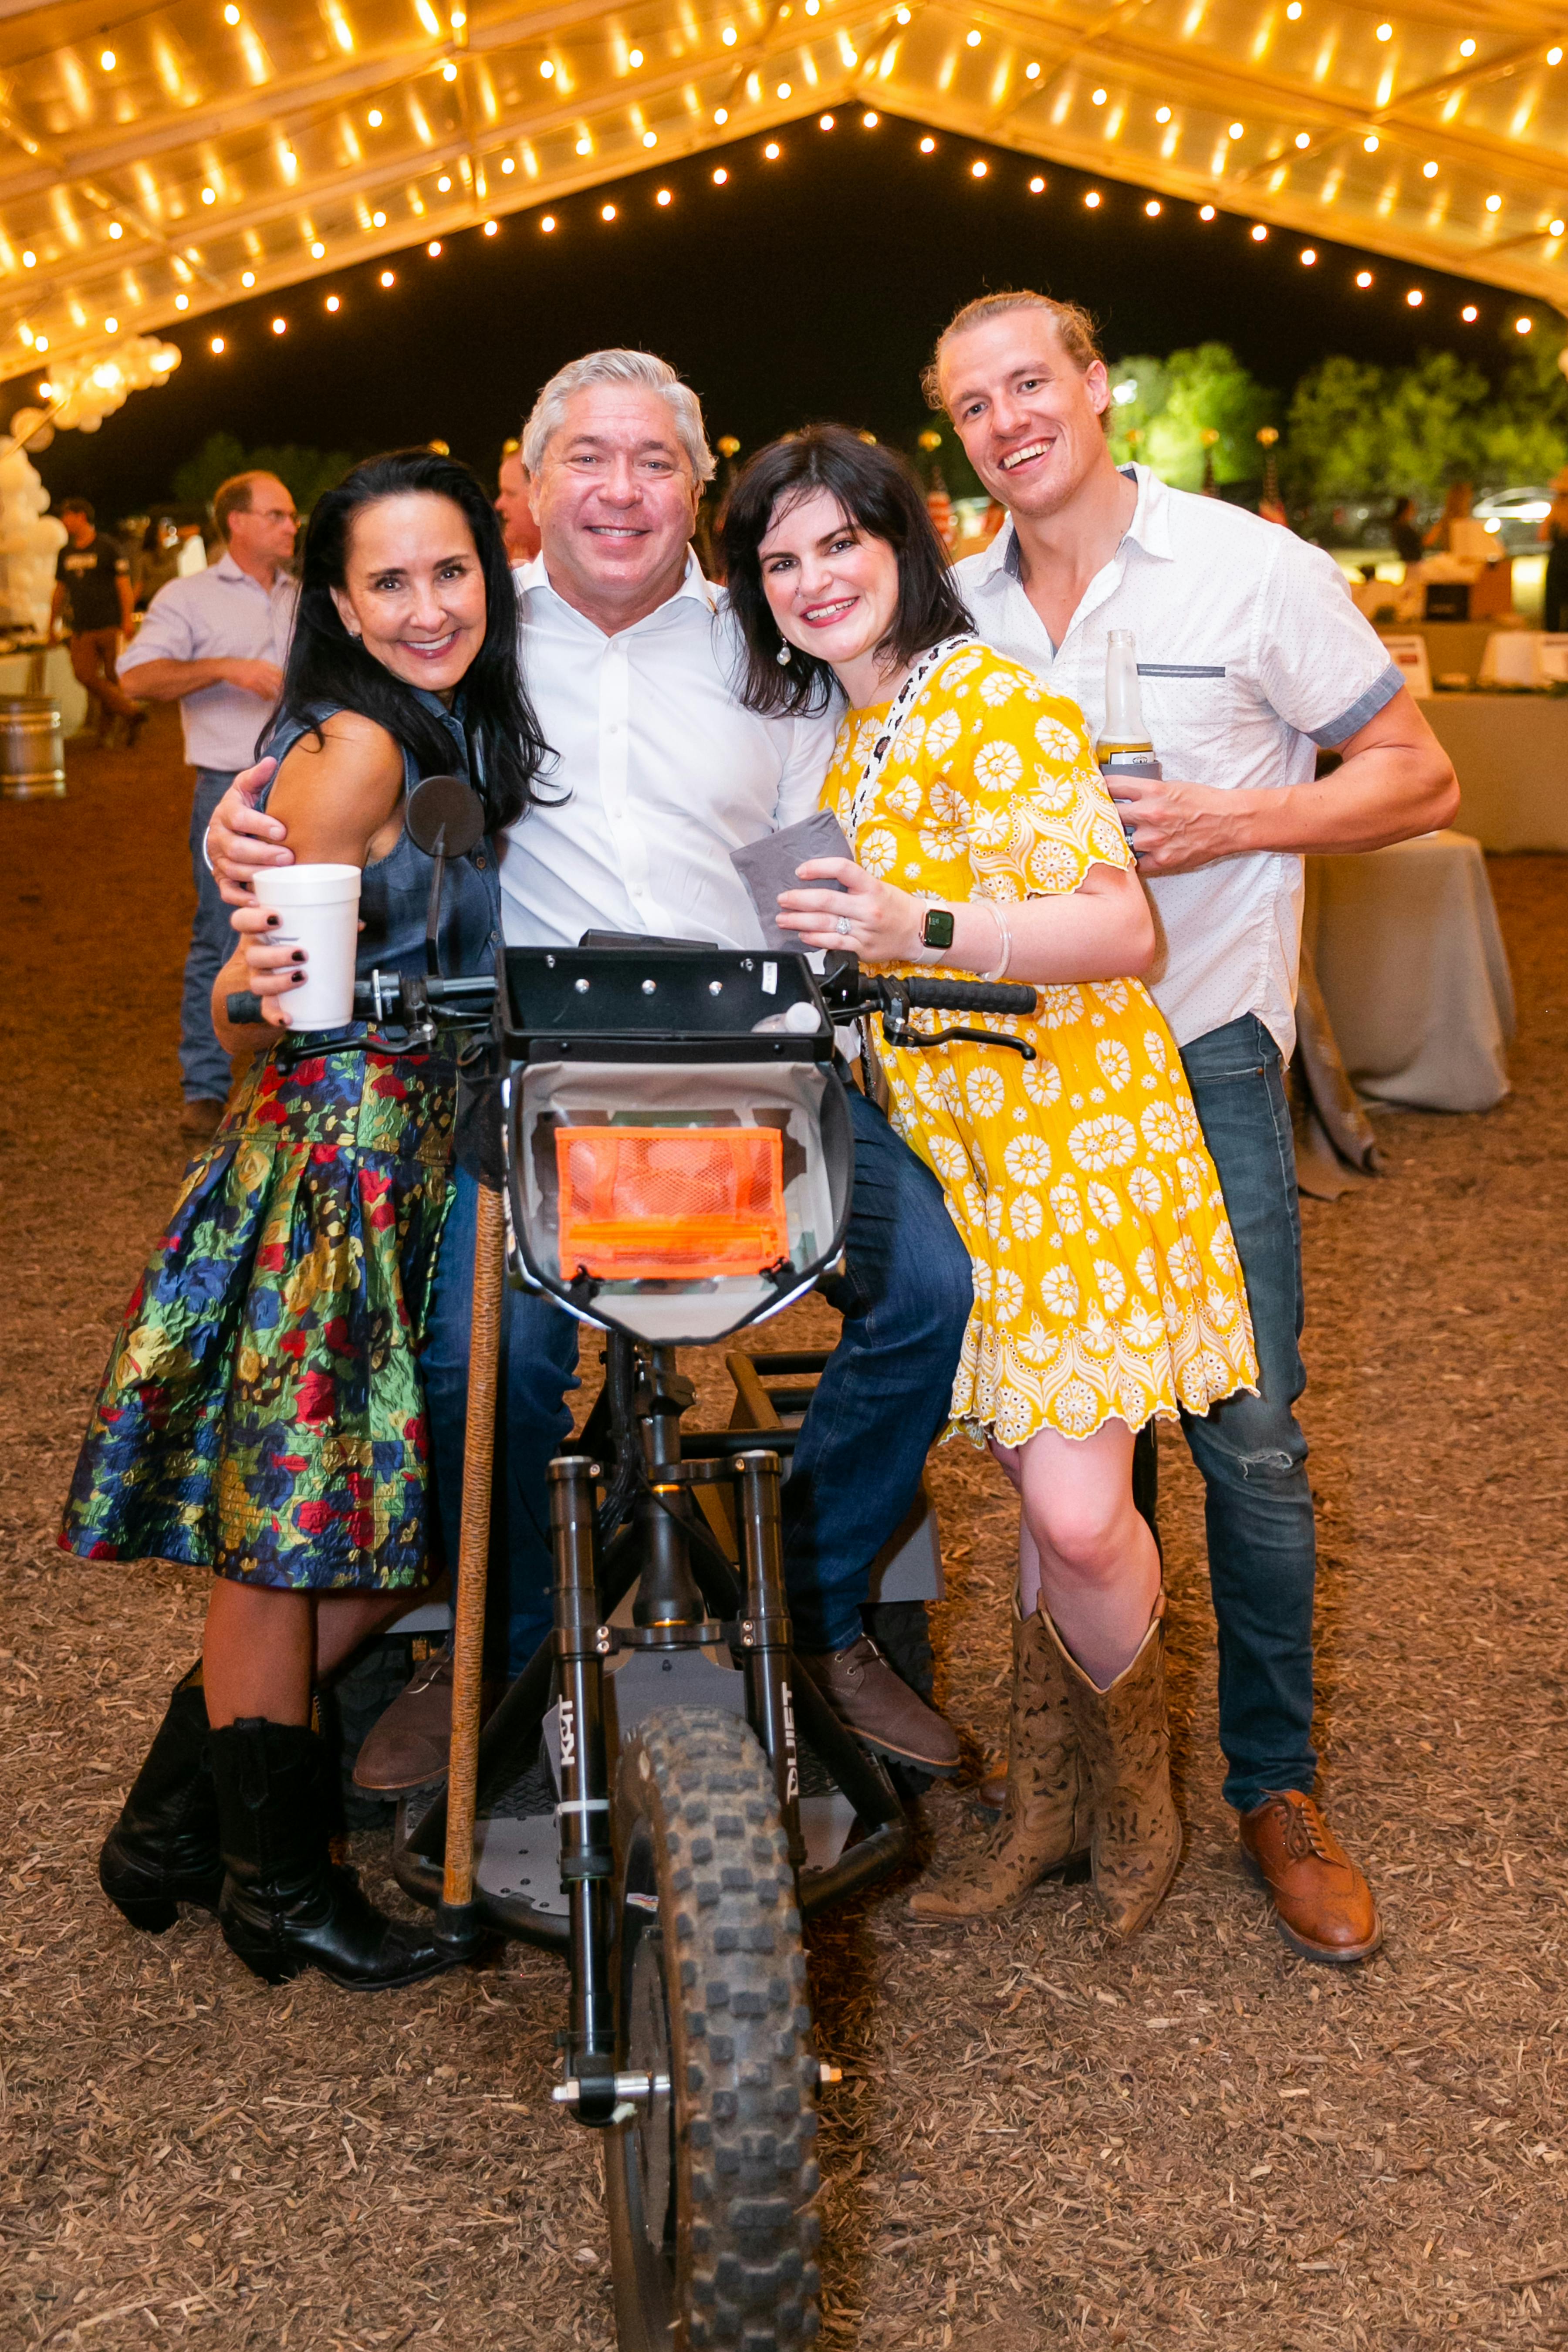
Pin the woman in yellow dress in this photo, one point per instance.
(1107, 1287)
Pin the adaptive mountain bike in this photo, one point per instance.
(663, 1794)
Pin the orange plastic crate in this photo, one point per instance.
(670, 1203)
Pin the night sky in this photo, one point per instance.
(806, 287)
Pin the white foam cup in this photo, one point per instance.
(320, 907)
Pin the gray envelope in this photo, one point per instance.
(768, 867)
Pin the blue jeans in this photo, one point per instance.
(204, 1065)
(538, 1366)
(1253, 1456)
(905, 1297)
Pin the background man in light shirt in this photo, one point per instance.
(632, 665)
(214, 643)
(515, 508)
(1251, 656)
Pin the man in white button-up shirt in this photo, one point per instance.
(631, 664)
(1251, 656)
(216, 644)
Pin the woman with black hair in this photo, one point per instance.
(262, 1412)
(1107, 1290)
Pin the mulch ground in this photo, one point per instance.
(1193, 2141)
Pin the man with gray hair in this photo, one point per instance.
(633, 666)
(214, 643)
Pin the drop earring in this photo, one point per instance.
(783, 655)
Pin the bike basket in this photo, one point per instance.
(659, 1202)
(676, 1201)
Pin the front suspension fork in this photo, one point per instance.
(584, 1813)
(765, 1636)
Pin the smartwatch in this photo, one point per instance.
(936, 932)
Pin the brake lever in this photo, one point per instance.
(914, 1041)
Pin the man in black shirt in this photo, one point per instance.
(92, 575)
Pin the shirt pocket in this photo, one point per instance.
(1191, 709)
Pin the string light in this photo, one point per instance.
(606, 211)
(434, 248)
(1469, 314)
(585, 146)
(1369, 144)
(978, 171)
(444, 184)
(332, 303)
(1031, 71)
(1428, 171)
(491, 228)
(868, 121)
(449, 71)
(772, 150)
(279, 326)
(1523, 326)
(1494, 204)
(927, 146)
(112, 326)
(1092, 200)
(1467, 49)
(107, 60)
(1037, 186)
(507, 166)
(1386, 32)
(30, 261)
(115, 230)
(719, 176)
(1303, 137)
(972, 40)
(247, 276)
(547, 68)
(1554, 227)
(1236, 129)
(720, 114)
(664, 197)
(1161, 114)
(388, 277)
(728, 37)
(1153, 208)
(634, 58)
(650, 139)
(1363, 279)
(1307, 256)
(231, 14)
(217, 346)
(1553, 56)
(548, 224)
(378, 220)
(1206, 211)
(209, 196)
(1097, 98)
(182, 301)
(785, 91)
(374, 118)
(317, 251)
(1415, 298)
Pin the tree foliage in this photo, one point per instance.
(1356, 431)
(1174, 401)
(305, 473)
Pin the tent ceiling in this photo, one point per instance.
(150, 157)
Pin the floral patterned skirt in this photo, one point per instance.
(262, 1412)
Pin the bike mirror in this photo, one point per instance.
(444, 815)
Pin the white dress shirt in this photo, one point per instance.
(218, 614)
(659, 773)
(1250, 654)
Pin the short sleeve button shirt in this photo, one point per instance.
(218, 614)
(88, 575)
(1250, 654)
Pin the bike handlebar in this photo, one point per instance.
(380, 997)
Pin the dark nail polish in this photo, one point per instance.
(297, 956)
(299, 979)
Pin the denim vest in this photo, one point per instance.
(395, 890)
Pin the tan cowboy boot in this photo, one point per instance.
(1125, 1741)
(1045, 1818)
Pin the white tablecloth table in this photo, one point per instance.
(1413, 969)
(1510, 755)
(18, 674)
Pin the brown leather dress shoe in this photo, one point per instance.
(1323, 1906)
(410, 1745)
(880, 1708)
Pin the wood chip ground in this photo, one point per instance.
(1195, 2141)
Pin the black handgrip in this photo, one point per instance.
(970, 996)
(244, 1008)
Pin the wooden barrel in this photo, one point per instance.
(32, 752)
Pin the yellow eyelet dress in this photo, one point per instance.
(1106, 1280)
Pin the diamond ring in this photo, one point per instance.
(844, 927)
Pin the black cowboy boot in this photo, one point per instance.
(286, 1906)
(164, 1849)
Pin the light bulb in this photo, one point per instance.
(663, 197)
(373, 117)
(1037, 186)
(1092, 200)
(1161, 114)
(1469, 314)
(972, 40)
(434, 248)
(332, 303)
(634, 58)
(824, 121)
(247, 276)
(209, 196)
(491, 228)
(1523, 326)
(507, 166)
(1369, 146)
(1467, 49)
(719, 176)
(1428, 171)
(107, 60)
(547, 68)
(785, 89)
(548, 224)
(1308, 256)
(112, 326)
(927, 146)
(1363, 279)
(444, 183)
(182, 301)
(30, 261)
(378, 220)
(1386, 32)
(388, 279)
(1494, 204)
(1236, 129)
(449, 71)
(977, 170)
(720, 114)
(1031, 71)
(1303, 137)
(1414, 297)
(585, 146)
(606, 211)
(868, 121)
(231, 14)
(279, 326)
(728, 37)
(1153, 208)
(1554, 227)
(216, 346)
(1206, 211)
(1097, 98)
(317, 251)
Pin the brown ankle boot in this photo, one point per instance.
(1044, 1816)
(1124, 1738)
